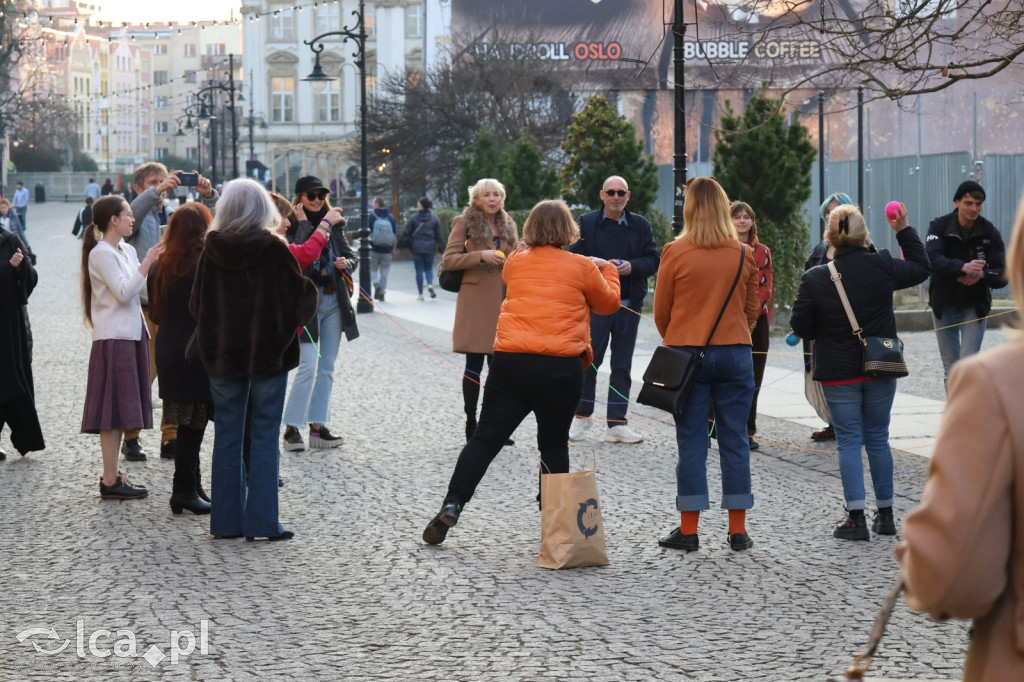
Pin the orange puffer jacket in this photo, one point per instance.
(550, 294)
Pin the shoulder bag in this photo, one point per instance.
(669, 377)
(450, 280)
(883, 357)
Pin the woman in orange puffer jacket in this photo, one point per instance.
(541, 348)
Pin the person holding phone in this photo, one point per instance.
(152, 182)
(320, 339)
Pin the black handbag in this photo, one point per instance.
(450, 280)
(669, 377)
(882, 357)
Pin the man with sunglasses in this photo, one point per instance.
(626, 240)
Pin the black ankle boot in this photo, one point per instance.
(191, 502)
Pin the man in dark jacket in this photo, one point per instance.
(626, 240)
(382, 243)
(967, 258)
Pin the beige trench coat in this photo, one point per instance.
(963, 550)
(481, 294)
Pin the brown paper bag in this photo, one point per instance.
(571, 527)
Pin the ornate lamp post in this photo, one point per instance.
(318, 80)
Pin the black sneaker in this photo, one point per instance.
(292, 439)
(132, 451)
(676, 540)
(122, 490)
(884, 523)
(433, 294)
(377, 295)
(323, 439)
(852, 529)
(168, 448)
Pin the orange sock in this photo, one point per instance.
(688, 522)
(737, 521)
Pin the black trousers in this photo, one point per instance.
(518, 384)
(759, 337)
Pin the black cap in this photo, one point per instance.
(309, 183)
(966, 187)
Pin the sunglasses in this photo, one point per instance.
(317, 195)
(616, 192)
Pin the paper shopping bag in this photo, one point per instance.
(571, 528)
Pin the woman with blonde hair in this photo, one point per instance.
(962, 554)
(477, 245)
(249, 297)
(860, 406)
(541, 348)
(117, 395)
(706, 273)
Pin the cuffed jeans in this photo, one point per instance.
(240, 508)
(860, 416)
(380, 266)
(310, 398)
(725, 381)
(620, 329)
(962, 335)
(424, 263)
(517, 384)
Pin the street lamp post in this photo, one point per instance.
(207, 113)
(318, 80)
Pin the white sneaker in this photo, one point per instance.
(622, 434)
(579, 427)
(420, 297)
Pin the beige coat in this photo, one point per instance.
(963, 550)
(481, 294)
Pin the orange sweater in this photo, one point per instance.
(548, 302)
(692, 285)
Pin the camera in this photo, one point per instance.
(188, 179)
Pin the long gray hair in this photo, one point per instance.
(245, 205)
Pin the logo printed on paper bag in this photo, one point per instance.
(583, 515)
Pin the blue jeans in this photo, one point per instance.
(726, 381)
(860, 415)
(620, 328)
(424, 263)
(961, 340)
(22, 211)
(238, 508)
(310, 398)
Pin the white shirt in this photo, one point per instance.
(20, 198)
(116, 283)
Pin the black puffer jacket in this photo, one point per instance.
(869, 280)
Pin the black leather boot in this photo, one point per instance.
(186, 464)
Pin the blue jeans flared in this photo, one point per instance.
(860, 416)
(310, 397)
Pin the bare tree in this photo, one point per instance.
(421, 123)
(895, 48)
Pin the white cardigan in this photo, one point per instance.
(116, 283)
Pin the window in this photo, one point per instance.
(282, 99)
(368, 25)
(190, 154)
(160, 127)
(160, 102)
(190, 76)
(216, 49)
(329, 103)
(328, 18)
(159, 48)
(159, 78)
(190, 49)
(282, 25)
(160, 152)
(414, 21)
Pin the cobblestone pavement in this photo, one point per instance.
(356, 595)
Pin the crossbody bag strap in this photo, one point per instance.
(739, 271)
(838, 280)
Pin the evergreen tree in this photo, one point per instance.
(763, 161)
(484, 160)
(526, 179)
(600, 143)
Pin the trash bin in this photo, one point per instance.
(40, 193)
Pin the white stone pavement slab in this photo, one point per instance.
(913, 427)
